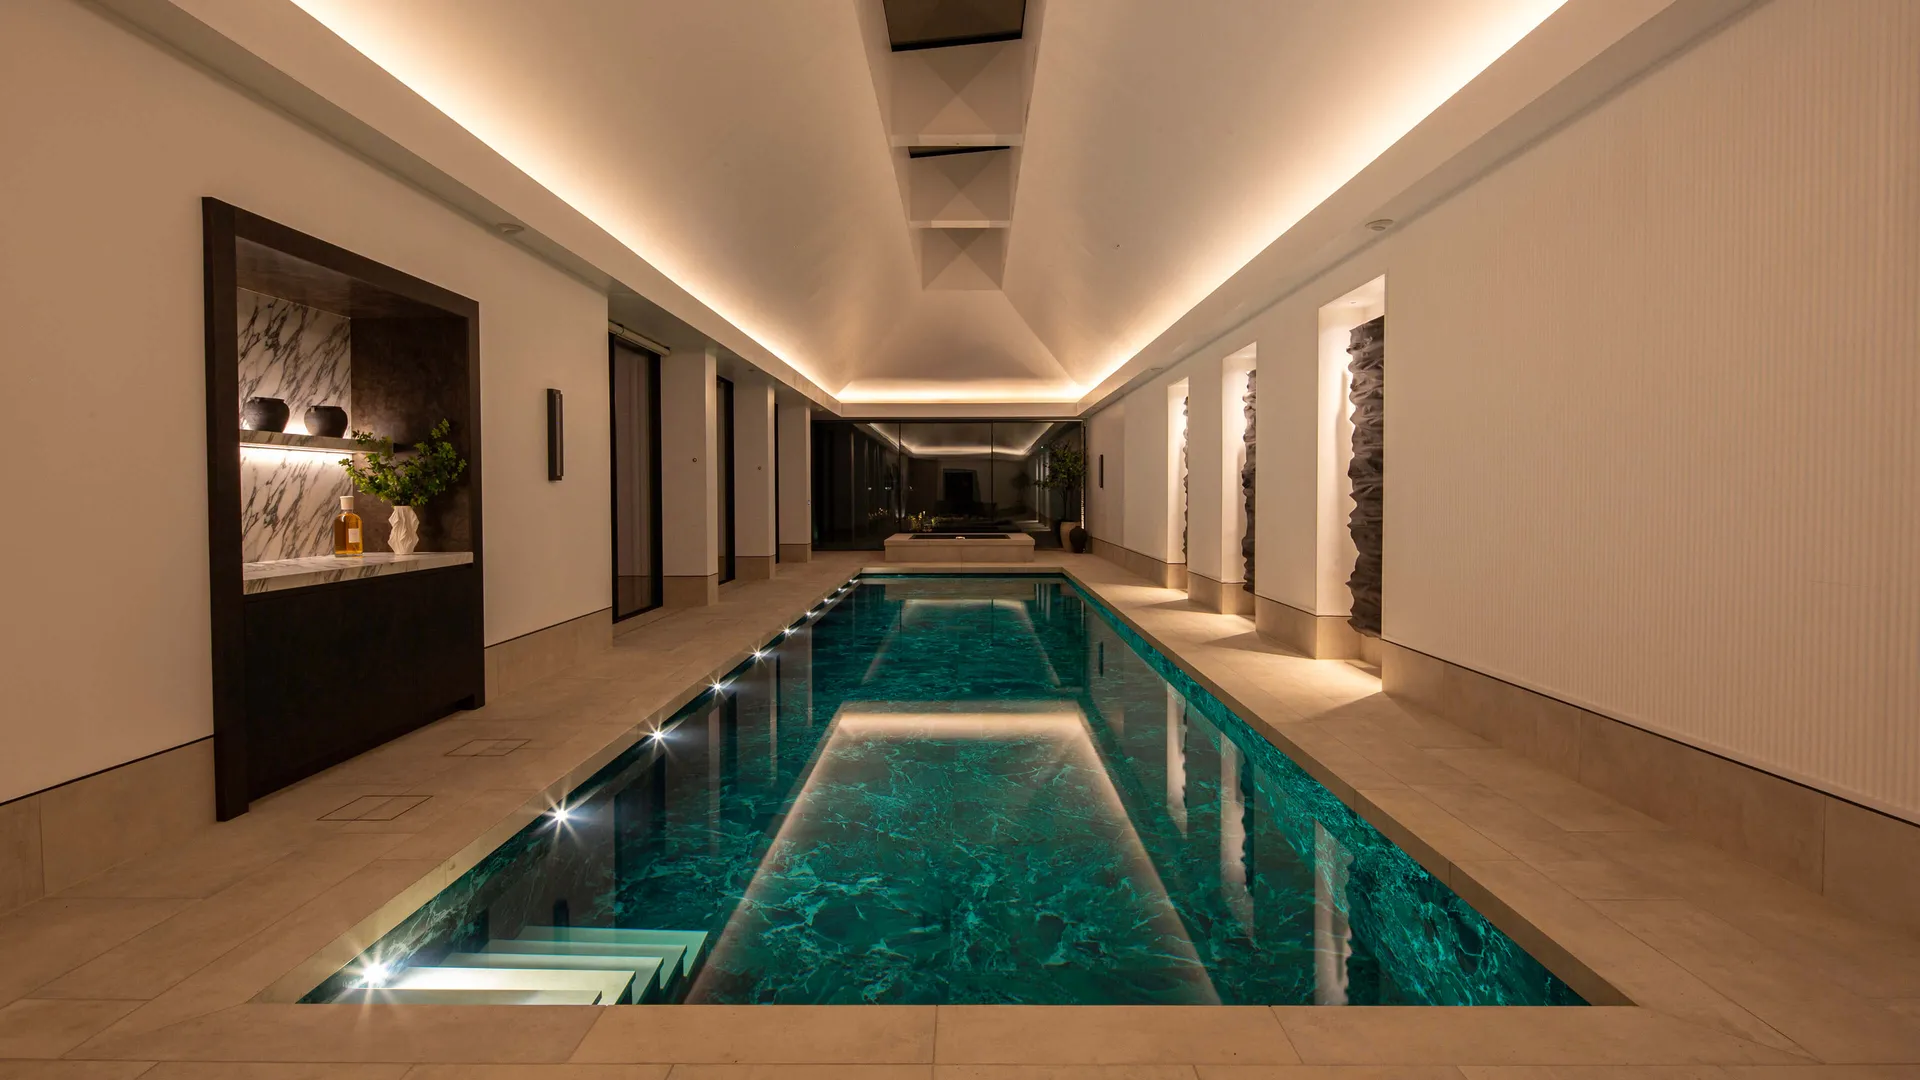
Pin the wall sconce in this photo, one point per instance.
(556, 437)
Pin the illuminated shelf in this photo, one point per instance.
(287, 440)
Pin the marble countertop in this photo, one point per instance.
(259, 577)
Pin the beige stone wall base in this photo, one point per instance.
(688, 591)
(59, 837)
(1372, 649)
(1163, 574)
(527, 659)
(796, 553)
(1322, 637)
(1225, 597)
(1863, 860)
(752, 567)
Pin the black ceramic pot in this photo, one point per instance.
(328, 420)
(1077, 536)
(264, 414)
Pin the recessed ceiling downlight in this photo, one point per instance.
(1380, 224)
(509, 228)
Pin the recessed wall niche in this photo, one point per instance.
(317, 658)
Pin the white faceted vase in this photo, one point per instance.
(403, 530)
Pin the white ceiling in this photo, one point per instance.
(737, 145)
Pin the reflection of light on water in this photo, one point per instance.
(1177, 759)
(1064, 727)
(1332, 936)
(1233, 836)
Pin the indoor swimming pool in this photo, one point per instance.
(950, 790)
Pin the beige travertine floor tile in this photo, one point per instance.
(183, 944)
(1062, 1073)
(33, 1028)
(799, 1071)
(215, 859)
(538, 1073)
(1407, 764)
(50, 937)
(360, 1033)
(1600, 1071)
(1871, 960)
(1436, 839)
(270, 1070)
(1602, 879)
(874, 1034)
(1607, 1035)
(1304, 740)
(1828, 1020)
(1550, 795)
(237, 976)
(1110, 1035)
(73, 1070)
(1329, 1073)
(1559, 929)
(1505, 822)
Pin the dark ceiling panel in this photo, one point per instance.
(933, 24)
(948, 151)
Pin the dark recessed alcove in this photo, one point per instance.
(333, 657)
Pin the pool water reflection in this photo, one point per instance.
(958, 790)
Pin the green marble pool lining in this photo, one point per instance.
(1319, 803)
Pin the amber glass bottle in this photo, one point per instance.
(346, 529)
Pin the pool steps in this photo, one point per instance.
(549, 965)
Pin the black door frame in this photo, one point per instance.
(723, 406)
(657, 565)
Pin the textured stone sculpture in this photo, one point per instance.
(1185, 427)
(1246, 483)
(1367, 348)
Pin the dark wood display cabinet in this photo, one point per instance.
(317, 659)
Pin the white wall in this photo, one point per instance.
(1206, 447)
(1107, 499)
(689, 464)
(109, 145)
(1652, 390)
(753, 466)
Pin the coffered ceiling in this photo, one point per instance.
(761, 154)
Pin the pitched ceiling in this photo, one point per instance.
(740, 147)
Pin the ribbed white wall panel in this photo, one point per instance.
(1652, 398)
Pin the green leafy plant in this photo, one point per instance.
(408, 479)
(1066, 472)
(921, 522)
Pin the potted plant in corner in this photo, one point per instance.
(406, 481)
(1066, 473)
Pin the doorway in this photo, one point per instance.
(723, 443)
(635, 443)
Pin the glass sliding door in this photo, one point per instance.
(635, 396)
(856, 484)
(872, 478)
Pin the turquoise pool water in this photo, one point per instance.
(952, 790)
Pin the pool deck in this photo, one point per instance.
(178, 964)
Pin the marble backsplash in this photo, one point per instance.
(298, 354)
(302, 356)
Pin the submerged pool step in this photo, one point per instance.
(394, 995)
(690, 940)
(609, 986)
(643, 971)
(672, 960)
